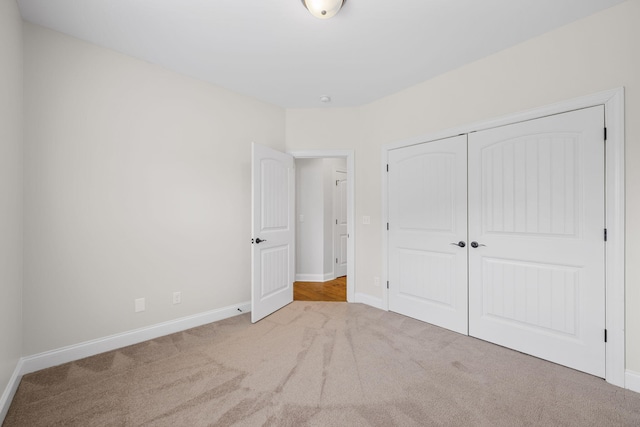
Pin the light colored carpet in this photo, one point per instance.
(318, 364)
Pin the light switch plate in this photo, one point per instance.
(139, 305)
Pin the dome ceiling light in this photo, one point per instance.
(323, 9)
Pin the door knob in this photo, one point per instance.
(460, 243)
(259, 240)
(476, 244)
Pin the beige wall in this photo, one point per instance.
(10, 190)
(598, 53)
(137, 185)
(333, 129)
(309, 233)
(137, 179)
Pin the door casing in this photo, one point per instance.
(613, 100)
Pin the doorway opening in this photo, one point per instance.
(332, 290)
(324, 226)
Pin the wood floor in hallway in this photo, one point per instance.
(333, 290)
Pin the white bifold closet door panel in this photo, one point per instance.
(427, 220)
(536, 210)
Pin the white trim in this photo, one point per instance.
(351, 207)
(599, 98)
(613, 100)
(10, 391)
(91, 348)
(368, 300)
(383, 227)
(318, 278)
(615, 251)
(632, 381)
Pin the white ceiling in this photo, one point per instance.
(276, 51)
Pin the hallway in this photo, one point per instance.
(333, 290)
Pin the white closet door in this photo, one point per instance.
(427, 219)
(536, 209)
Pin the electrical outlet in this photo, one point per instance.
(366, 220)
(139, 305)
(301, 218)
(177, 297)
(376, 281)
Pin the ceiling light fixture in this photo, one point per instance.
(323, 9)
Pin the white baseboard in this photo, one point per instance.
(369, 300)
(51, 358)
(632, 381)
(10, 391)
(319, 278)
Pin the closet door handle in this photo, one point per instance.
(460, 243)
(476, 244)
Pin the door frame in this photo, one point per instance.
(351, 230)
(613, 100)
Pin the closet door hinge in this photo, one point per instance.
(605, 235)
(605, 335)
(387, 284)
(387, 226)
(387, 167)
(605, 134)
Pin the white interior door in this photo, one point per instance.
(272, 228)
(427, 220)
(340, 227)
(536, 209)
